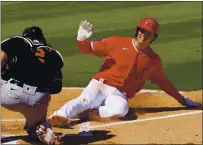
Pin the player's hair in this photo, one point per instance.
(34, 32)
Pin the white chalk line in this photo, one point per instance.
(143, 90)
(146, 119)
(11, 142)
(11, 135)
(79, 88)
(117, 123)
(105, 125)
(132, 121)
(23, 120)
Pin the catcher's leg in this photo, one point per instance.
(72, 108)
(35, 114)
(38, 127)
(33, 107)
(36, 124)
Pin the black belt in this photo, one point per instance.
(20, 84)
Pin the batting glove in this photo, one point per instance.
(85, 31)
(190, 103)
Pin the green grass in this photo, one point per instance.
(179, 43)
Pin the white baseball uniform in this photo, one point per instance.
(97, 95)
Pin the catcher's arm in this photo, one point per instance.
(4, 58)
(56, 64)
(8, 52)
(4, 66)
(55, 85)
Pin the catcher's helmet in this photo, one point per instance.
(34, 32)
(149, 24)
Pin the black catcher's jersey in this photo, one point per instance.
(31, 62)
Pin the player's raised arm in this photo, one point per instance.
(98, 47)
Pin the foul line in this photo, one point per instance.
(147, 119)
(12, 135)
(23, 120)
(124, 122)
(117, 123)
(143, 90)
(79, 88)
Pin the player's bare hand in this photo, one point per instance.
(85, 30)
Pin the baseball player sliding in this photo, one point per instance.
(128, 63)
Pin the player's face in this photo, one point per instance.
(145, 36)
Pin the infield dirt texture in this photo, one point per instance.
(154, 117)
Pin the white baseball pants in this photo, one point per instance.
(97, 95)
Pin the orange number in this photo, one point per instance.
(40, 53)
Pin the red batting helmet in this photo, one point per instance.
(149, 24)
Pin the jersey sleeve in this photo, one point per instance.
(97, 47)
(157, 73)
(12, 46)
(60, 59)
(9, 47)
(53, 58)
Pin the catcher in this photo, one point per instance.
(128, 63)
(31, 72)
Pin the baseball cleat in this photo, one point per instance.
(58, 121)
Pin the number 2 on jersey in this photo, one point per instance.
(40, 53)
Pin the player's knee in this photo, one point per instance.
(121, 110)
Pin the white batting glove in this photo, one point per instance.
(85, 30)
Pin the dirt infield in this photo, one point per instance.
(154, 118)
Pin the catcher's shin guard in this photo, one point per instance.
(31, 131)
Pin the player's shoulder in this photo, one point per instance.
(13, 39)
(56, 54)
(155, 55)
(118, 39)
(16, 40)
(59, 58)
(52, 55)
(52, 50)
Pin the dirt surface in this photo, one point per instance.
(148, 122)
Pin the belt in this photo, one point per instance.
(109, 84)
(20, 84)
(103, 81)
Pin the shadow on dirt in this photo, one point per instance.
(132, 114)
(71, 139)
(142, 110)
(97, 135)
(162, 109)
